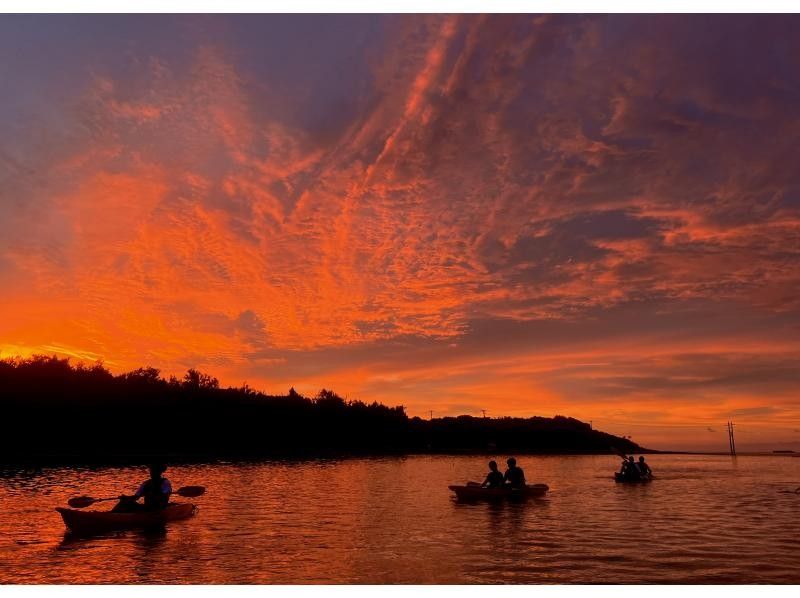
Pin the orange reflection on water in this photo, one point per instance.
(394, 521)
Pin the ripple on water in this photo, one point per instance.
(704, 520)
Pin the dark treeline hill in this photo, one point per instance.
(55, 411)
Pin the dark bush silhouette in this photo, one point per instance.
(58, 412)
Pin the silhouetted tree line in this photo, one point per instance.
(55, 411)
(559, 434)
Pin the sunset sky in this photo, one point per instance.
(591, 216)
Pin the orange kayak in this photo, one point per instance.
(101, 521)
(476, 492)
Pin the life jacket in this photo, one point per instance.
(156, 492)
(495, 479)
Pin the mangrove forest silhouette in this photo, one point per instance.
(59, 412)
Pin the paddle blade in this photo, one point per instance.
(80, 502)
(191, 491)
(617, 452)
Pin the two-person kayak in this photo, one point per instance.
(478, 492)
(86, 522)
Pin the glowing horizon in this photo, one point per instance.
(593, 216)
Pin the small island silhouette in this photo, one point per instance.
(57, 412)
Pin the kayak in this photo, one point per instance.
(623, 480)
(101, 521)
(476, 492)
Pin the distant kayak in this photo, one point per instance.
(476, 492)
(101, 521)
(618, 477)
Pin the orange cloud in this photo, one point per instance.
(548, 215)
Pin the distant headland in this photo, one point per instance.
(57, 412)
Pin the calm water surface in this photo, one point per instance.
(705, 519)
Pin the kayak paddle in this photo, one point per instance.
(80, 502)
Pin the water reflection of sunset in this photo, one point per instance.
(585, 215)
(392, 520)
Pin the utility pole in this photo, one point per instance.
(731, 441)
(431, 413)
(484, 413)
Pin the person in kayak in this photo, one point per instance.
(632, 472)
(494, 479)
(514, 475)
(156, 492)
(629, 471)
(644, 468)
